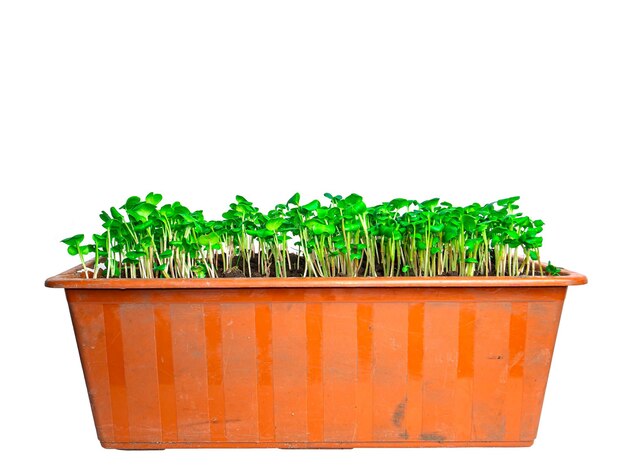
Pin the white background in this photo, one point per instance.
(470, 101)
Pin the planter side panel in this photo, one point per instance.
(316, 367)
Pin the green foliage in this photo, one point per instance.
(402, 237)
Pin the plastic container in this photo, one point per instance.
(310, 362)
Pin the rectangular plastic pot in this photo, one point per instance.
(360, 362)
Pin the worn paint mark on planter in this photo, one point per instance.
(432, 436)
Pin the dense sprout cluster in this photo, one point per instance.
(343, 237)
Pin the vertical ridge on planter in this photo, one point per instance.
(189, 353)
(390, 345)
(464, 392)
(241, 399)
(415, 366)
(491, 351)
(542, 325)
(339, 343)
(88, 323)
(315, 385)
(289, 371)
(140, 370)
(364, 390)
(515, 380)
(215, 374)
(441, 329)
(165, 371)
(264, 372)
(116, 372)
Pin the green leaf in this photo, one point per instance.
(472, 242)
(450, 233)
(352, 226)
(148, 223)
(471, 260)
(166, 254)
(534, 242)
(99, 239)
(134, 255)
(552, 270)
(199, 271)
(469, 222)
(116, 214)
(357, 208)
(311, 206)
(533, 255)
(334, 199)
(153, 199)
(294, 200)
(75, 240)
(204, 240)
(508, 201)
(430, 204)
(131, 202)
(320, 228)
(274, 224)
(142, 211)
(399, 203)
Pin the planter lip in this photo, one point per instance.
(71, 279)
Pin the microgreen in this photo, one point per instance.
(343, 237)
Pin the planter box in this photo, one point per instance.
(310, 362)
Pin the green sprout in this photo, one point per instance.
(345, 237)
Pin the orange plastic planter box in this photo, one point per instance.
(302, 362)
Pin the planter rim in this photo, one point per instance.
(71, 279)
